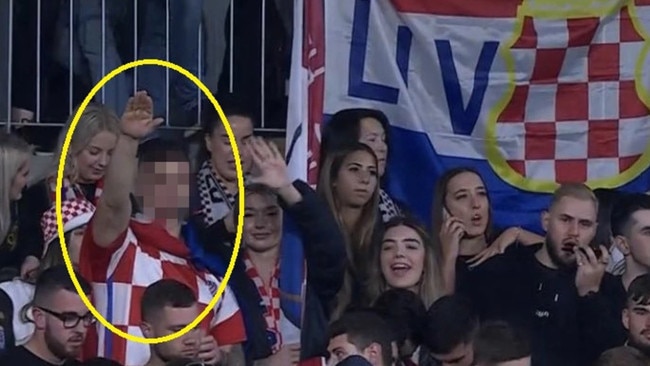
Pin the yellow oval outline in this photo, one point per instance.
(59, 218)
(499, 163)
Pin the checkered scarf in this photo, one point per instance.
(271, 301)
(70, 191)
(216, 201)
(387, 207)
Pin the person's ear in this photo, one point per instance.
(546, 218)
(38, 317)
(373, 354)
(625, 317)
(147, 330)
(622, 244)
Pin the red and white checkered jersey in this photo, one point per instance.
(142, 255)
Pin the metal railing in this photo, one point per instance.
(73, 5)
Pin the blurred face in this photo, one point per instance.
(74, 243)
(570, 222)
(466, 199)
(221, 154)
(638, 237)
(262, 222)
(168, 321)
(340, 348)
(372, 133)
(402, 258)
(356, 180)
(636, 319)
(64, 321)
(91, 162)
(462, 355)
(164, 188)
(19, 181)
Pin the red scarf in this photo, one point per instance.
(270, 298)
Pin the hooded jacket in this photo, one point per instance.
(312, 263)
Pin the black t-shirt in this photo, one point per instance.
(21, 356)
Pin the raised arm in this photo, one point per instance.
(114, 207)
(322, 239)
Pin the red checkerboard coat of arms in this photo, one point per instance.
(576, 110)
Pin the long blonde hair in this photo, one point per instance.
(431, 286)
(358, 238)
(96, 118)
(14, 154)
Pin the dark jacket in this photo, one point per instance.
(25, 237)
(325, 256)
(565, 328)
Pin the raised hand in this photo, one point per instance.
(270, 164)
(499, 246)
(137, 120)
(591, 269)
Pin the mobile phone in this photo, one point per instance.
(597, 251)
(445, 214)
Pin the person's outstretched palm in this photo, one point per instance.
(137, 120)
(270, 163)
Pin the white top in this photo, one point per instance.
(21, 294)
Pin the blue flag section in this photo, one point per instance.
(529, 95)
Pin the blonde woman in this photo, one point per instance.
(17, 251)
(87, 158)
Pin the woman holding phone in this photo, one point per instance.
(463, 231)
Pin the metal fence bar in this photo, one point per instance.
(135, 45)
(263, 73)
(38, 60)
(41, 111)
(9, 66)
(200, 68)
(167, 59)
(103, 48)
(70, 57)
(232, 50)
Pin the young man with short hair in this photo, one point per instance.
(636, 315)
(123, 255)
(622, 356)
(558, 290)
(451, 325)
(168, 306)
(61, 322)
(362, 334)
(500, 344)
(630, 222)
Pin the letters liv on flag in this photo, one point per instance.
(530, 93)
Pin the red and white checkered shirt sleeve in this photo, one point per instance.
(228, 323)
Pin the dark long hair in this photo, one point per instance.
(439, 203)
(344, 128)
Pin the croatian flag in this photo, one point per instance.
(531, 93)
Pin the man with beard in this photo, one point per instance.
(636, 315)
(61, 321)
(558, 290)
